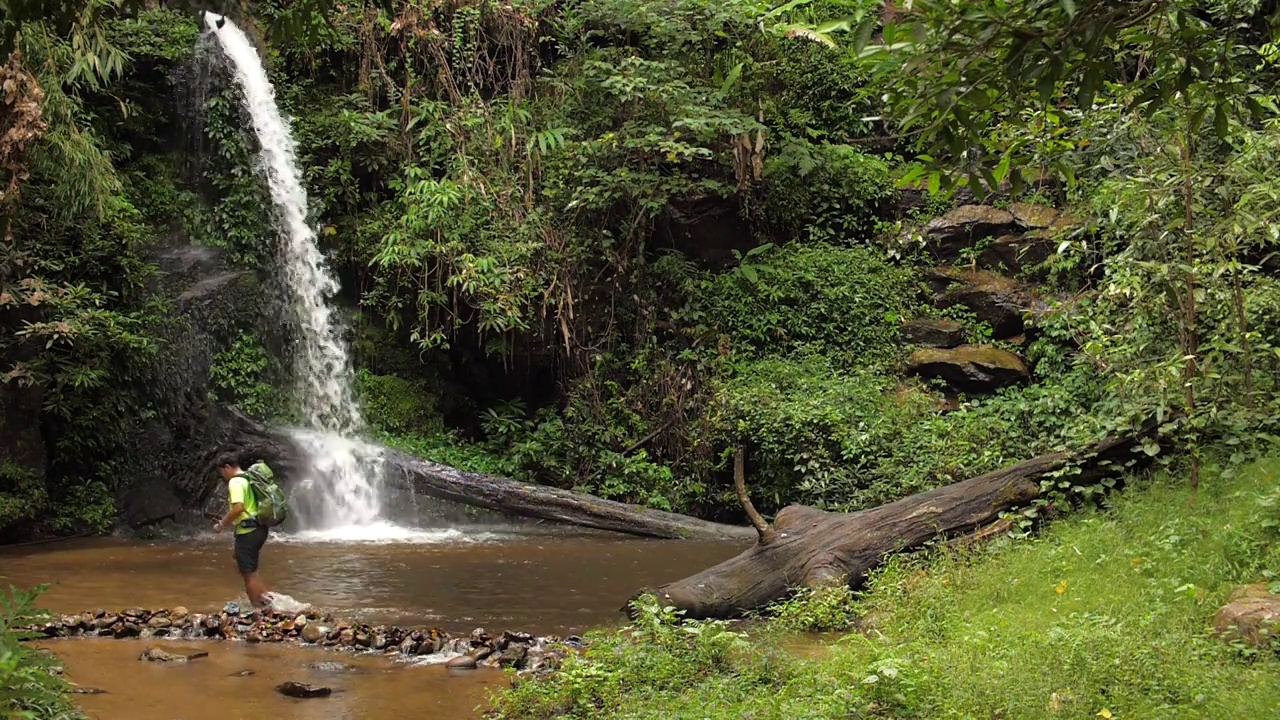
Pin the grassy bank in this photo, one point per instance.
(1105, 615)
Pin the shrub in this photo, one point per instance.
(399, 406)
(29, 687)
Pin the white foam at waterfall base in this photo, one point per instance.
(342, 490)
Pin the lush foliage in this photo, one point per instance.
(29, 686)
(1107, 614)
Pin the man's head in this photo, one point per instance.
(228, 465)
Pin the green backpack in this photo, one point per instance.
(273, 508)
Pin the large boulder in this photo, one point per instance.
(1251, 616)
(973, 369)
(994, 299)
(148, 502)
(1032, 216)
(948, 235)
(932, 332)
(1018, 253)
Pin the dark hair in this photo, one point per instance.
(228, 458)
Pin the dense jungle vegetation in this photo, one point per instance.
(601, 244)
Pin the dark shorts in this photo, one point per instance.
(248, 547)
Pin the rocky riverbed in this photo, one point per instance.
(524, 652)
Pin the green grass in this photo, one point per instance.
(1107, 614)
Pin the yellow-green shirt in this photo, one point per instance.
(239, 492)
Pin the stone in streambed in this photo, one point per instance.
(154, 654)
(127, 629)
(243, 673)
(303, 690)
(330, 666)
(78, 690)
(462, 662)
(178, 614)
(312, 633)
(159, 621)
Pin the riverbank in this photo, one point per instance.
(1108, 614)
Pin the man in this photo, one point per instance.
(250, 536)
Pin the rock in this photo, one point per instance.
(409, 646)
(363, 639)
(930, 332)
(513, 656)
(300, 621)
(78, 690)
(127, 629)
(479, 636)
(243, 673)
(149, 502)
(154, 654)
(970, 368)
(462, 662)
(1255, 621)
(302, 690)
(379, 642)
(329, 666)
(1017, 253)
(996, 300)
(178, 614)
(1256, 591)
(960, 228)
(159, 621)
(312, 633)
(1033, 216)
(106, 620)
(136, 613)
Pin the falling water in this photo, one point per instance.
(341, 495)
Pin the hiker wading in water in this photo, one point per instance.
(250, 534)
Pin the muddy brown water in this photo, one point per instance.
(561, 584)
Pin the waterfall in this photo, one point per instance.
(341, 496)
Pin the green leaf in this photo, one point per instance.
(1069, 7)
(1089, 87)
(1220, 124)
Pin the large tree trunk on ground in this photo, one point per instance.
(813, 548)
(494, 493)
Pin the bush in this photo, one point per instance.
(23, 495)
(29, 687)
(824, 609)
(843, 302)
(822, 192)
(240, 376)
(399, 406)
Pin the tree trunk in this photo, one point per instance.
(814, 548)
(406, 472)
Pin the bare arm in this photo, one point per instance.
(231, 515)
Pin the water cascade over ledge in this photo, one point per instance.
(341, 495)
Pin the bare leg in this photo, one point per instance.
(255, 588)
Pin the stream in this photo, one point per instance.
(552, 581)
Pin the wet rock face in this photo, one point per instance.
(521, 651)
(974, 369)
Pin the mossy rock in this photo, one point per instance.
(975, 369)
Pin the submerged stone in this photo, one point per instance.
(302, 690)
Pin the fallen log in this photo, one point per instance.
(410, 473)
(813, 548)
